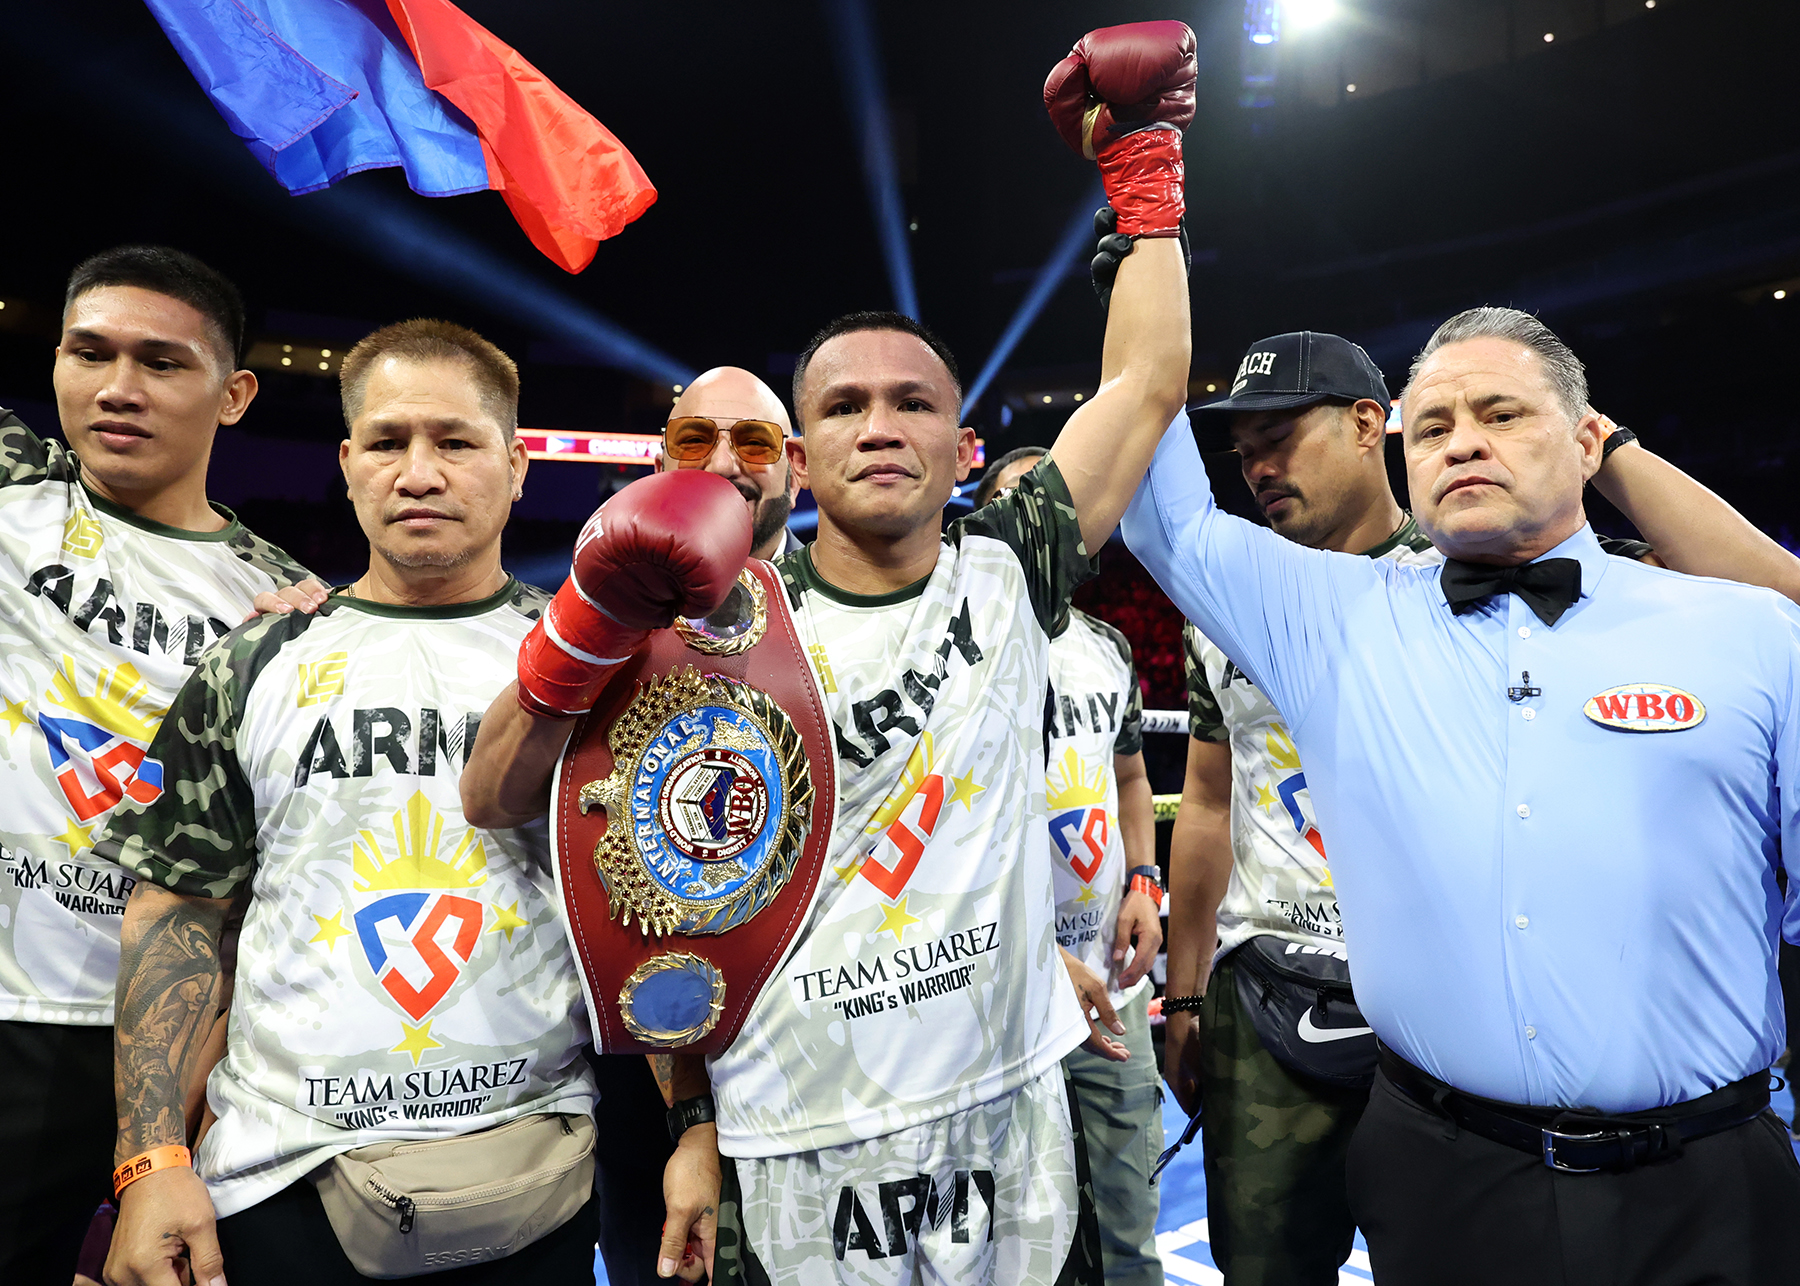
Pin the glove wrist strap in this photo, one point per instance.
(1142, 174)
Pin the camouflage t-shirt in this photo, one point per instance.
(925, 979)
(102, 617)
(1280, 881)
(401, 975)
(1096, 712)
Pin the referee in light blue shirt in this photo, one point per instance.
(1559, 786)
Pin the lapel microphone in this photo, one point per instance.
(1524, 689)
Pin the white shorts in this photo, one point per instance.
(988, 1195)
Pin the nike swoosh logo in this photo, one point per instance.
(1319, 1035)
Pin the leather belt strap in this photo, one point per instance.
(1581, 1142)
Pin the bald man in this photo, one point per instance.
(737, 404)
(746, 424)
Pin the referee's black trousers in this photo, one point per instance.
(1441, 1205)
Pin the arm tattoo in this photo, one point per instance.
(167, 1002)
(662, 1066)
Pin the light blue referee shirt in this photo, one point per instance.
(1540, 907)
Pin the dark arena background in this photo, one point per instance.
(1629, 170)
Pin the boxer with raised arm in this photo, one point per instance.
(893, 1106)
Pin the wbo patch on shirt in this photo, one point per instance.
(1645, 707)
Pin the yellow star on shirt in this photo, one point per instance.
(331, 928)
(1265, 798)
(1087, 895)
(418, 1040)
(1326, 882)
(14, 714)
(895, 919)
(964, 790)
(506, 919)
(76, 836)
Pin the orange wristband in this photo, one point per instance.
(164, 1158)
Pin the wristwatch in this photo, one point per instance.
(1148, 881)
(690, 1112)
(1616, 439)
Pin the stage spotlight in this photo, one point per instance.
(859, 67)
(1349, 89)
(1262, 21)
(1077, 240)
(1781, 294)
(1549, 36)
(1305, 14)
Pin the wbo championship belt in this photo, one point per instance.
(691, 813)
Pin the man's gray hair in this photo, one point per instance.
(1561, 367)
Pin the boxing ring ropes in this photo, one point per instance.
(1173, 721)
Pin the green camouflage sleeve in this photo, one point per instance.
(1131, 727)
(197, 836)
(25, 457)
(1206, 722)
(267, 558)
(1037, 519)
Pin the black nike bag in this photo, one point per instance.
(1300, 1002)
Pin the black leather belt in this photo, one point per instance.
(1581, 1142)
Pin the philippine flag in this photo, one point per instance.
(321, 89)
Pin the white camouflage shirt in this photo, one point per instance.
(1096, 712)
(925, 980)
(103, 615)
(400, 975)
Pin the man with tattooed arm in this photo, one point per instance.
(404, 980)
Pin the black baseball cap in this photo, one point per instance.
(1300, 368)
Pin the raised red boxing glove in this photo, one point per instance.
(1122, 97)
(668, 545)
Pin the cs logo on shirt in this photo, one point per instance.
(1079, 825)
(415, 922)
(96, 749)
(908, 818)
(1284, 757)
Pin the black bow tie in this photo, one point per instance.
(1549, 588)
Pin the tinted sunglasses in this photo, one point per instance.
(692, 437)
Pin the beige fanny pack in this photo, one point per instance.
(407, 1209)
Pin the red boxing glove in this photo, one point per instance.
(668, 545)
(1122, 97)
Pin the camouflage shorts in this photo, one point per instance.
(1278, 1212)
(995, 1194)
